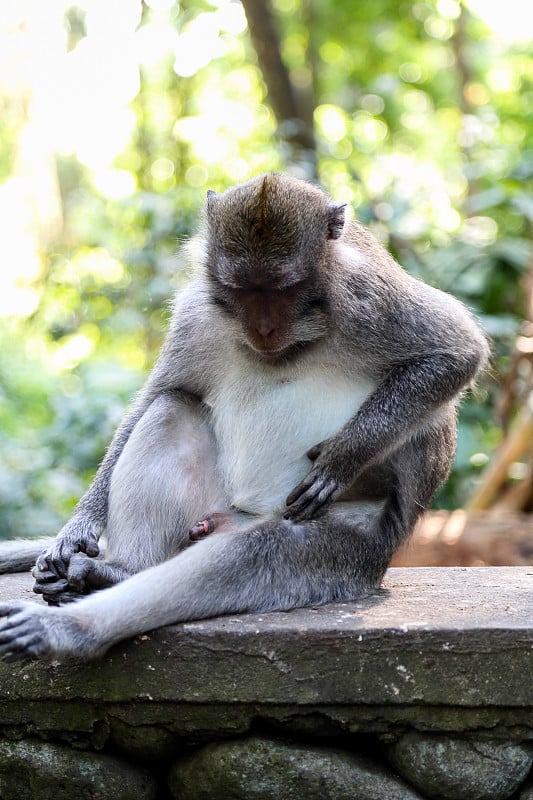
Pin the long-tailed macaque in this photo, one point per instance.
(302, 409)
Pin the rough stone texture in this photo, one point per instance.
(31, 770)
(267, 769)
(448, 768)
(437, 650)
(428, 637)
(92, 724)
(146, 742)
(438, 653)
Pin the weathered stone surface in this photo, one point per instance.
(94, 725)
(31, 770)
(268, 769)
(147, 742)
(437, 651)
(448, 768)
(429, 636)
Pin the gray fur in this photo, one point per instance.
(362, 371)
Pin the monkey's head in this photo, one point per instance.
(268, 243)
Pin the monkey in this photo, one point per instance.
(299, 419)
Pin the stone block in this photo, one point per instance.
(270, 769)
(449, 636)
(32, 769)
(449, 768)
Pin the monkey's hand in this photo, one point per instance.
(79, 535)
(327, 480)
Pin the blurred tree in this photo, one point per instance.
(293, 108)
(414, 112)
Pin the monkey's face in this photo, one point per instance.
(267, 252)
(275, 323)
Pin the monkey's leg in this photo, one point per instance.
(276, 565)
(164, 480)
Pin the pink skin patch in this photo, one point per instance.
(217, 522)
(202, 529)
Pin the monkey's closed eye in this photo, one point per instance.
(220, 302)
(317, 303)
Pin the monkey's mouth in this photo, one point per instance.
(279, 355)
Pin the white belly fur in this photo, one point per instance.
(264, 426)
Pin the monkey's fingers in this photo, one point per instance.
(58, 557)
(49, 568)
(315, 451)
(313, 501)
(58, 594)
(60, 565)
(8, 611)
(63, 599)
(44, 575)
(42, 563)
(51, 589)
(52, 562)
(302, 487)
(21, 632)
(87, 544)
(49, 584)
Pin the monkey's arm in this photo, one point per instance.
(427, 363)
(176, 371)
(83, 529)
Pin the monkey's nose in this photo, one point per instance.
(266, 331)
(270, 336)
(267, 339)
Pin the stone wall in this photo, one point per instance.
(424, 690)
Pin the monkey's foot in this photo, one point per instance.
(54, 589)
(28, 631)
(85, 574)
(56, 593)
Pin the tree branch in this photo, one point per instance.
(294, 128)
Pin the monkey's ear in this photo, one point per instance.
(335, 217)
(211, 198)
(212, 202)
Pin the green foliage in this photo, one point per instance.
(422, 124)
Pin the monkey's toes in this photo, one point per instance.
(58, 592)
(30, 630)
(22, 633)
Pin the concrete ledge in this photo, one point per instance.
(431, 677)
(448, 636)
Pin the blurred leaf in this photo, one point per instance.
(391, 139)
(524, 204)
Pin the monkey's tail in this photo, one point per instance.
(19, 555)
